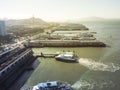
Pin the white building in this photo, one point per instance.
(3, 31)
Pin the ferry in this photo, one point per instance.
(67, 57)
(54, 85)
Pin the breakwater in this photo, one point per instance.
(66, 43)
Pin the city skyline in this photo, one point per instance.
(59, 10)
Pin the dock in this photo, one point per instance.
(67, 35)
(45, 55)
(66, 43)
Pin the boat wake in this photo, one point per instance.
(79, 85)
(92, 85)
(98, 66)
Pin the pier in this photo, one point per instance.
(66, 43)
(45, 55)
(67, 35)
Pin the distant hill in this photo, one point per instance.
(71, 27)
(26, 27)
(31, 22)
(88, 19)
(92, 19)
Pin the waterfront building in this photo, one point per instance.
(3, 31)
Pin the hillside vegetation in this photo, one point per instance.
(26, 27)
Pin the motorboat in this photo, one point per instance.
(66, 57)
(53, 85)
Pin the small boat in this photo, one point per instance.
(54, 85)
(67, 57)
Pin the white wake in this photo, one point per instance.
(98, 66)
(91, 85)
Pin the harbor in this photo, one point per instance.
(60, 45)
(22, 54)
(69, 35)
(84, 75)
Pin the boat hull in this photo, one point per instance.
(74, 60)
(48, 86)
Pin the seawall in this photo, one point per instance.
(66, 43)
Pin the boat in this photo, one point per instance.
(54, 85)
(67, 57)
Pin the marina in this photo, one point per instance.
(21, 54)
(67, 36)
(60, 45)
(86, 74)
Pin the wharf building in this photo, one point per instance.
(12, 64)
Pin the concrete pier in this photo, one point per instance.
(66, 43)
(45, 55)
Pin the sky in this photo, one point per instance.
(58, 10)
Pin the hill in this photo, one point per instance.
(31, 23)
(26, 27)
(92, 19)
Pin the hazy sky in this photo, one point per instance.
(59, 9)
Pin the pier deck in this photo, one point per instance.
(45, 55)
(66, 43)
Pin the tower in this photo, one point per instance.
(2, 28)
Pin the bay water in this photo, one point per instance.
(98, 67)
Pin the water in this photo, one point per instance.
(98, 68)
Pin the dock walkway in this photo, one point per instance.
(45, 55)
